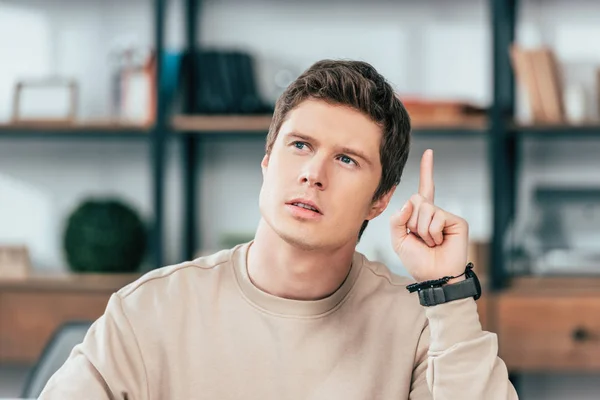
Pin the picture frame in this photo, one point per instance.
(47, 100)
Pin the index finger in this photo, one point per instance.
(426, 186)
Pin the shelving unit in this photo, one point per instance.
(506, 135)
(544, 324)
(503, 135)
(156, 134)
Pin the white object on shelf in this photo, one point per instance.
(575, 103)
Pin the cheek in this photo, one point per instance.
(273, 179)
(284, 168)
(355, 197)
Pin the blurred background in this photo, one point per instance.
(131, 133)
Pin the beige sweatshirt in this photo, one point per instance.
(202, 330)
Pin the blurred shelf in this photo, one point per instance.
(559, 285)
(259, 124)
(69, 282)
(81, 129)
(466, 126)
(558, 131)
(222, 124)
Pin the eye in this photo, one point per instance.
(347, 160)
(299, 145)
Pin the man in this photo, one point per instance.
(298, 313)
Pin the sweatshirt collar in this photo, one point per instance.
(289, 307)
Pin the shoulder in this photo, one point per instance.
(177, 275)
(382, 274)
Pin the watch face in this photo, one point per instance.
(471, 274)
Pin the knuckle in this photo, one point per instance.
(412, 224)
(417, 199)
(441, 214)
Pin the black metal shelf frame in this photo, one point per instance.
(503, 137)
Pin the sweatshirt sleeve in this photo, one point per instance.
(462, 360)
(107, 365)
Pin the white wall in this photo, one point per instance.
(433, 48)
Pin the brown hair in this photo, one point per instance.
(358, 85)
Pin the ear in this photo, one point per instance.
(264, 164)
(381, 204)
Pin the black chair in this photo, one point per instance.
(54, 355)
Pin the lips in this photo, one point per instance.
(306, 204)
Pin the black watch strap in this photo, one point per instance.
(438, 295)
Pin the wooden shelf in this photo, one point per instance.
(254, 124)
(479, 122)
(562, 131)
(69, 282)
(560, 285)
(98, 128)
(206, 124)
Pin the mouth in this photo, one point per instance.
(305, 204)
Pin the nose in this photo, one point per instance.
(314, 174)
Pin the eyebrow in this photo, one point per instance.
(344, 149)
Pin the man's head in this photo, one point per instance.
(339, 139)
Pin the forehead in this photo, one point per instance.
(333, 124)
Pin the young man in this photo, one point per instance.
(297, 313)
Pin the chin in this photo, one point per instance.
(302, 242)
(311, 239)
(301, 237)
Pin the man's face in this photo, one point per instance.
(325, 157)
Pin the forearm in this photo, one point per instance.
(77, 379)
(463, 359)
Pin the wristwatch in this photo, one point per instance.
(438, 291)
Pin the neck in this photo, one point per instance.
(284, 270)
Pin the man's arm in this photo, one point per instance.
(456, 359)
(107, 365)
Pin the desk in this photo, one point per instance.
(31, 309)
(549, 325)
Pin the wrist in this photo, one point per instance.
(448, 288)
(456, 280)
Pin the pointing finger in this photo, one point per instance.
(426, 186)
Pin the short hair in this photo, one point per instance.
(358, 85)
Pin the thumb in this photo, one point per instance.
(399, 221)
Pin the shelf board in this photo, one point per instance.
(562, 131)
(208, 124)
(259, 124)
(96, 129)
(69, 282)
(531, 285)
(468, 126)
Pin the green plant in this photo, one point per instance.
(104, 235)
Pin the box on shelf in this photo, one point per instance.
(14, 262)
